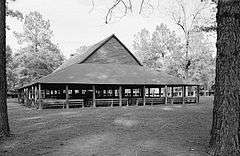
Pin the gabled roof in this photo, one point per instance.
(80, 58)
(88, 73)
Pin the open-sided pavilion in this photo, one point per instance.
(107, 74)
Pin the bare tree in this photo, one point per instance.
(186, 17)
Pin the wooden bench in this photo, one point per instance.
(190, 99)
(155, 101)
(52, 103)
(74, 103)
(107, 102)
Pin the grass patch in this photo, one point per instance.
(181, 130)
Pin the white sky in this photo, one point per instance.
(73, 25)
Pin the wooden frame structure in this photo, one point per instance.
(107, 74)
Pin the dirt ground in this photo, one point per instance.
(173, 130)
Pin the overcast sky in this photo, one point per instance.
(74, 25)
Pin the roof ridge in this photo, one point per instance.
(101, 43)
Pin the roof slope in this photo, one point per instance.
(92, 50)
(88, 73)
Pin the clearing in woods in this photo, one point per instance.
(173, 130)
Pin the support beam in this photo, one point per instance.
(94, 96)
(198, 97)
(120, 95)
(29, 93)
(183, 94)
(186, 91)
(144, 97)
(39, 97)
(166, 96)
(172, 99)
(67, 97)
(35, 94)
(32, 97)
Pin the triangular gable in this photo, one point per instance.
(97, 50)
(112, 51)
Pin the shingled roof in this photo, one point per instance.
(81, 57)
(88, 73)
(78, 70)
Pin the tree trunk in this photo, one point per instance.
(4, 126)
(225, 133)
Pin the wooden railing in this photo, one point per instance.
(61, 103)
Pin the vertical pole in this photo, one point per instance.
(35, 94)
(186, 91)
(39, 96)
(29, 93)
(198, 90)
(120, 95)
(32, 98)
(183, 94)
(144, 97)
(172, 99)
(18, 96)
(67, 97)
(166, 92)
(94, 96)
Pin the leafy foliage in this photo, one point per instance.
(163, 50)
(40, 57)
(12, 77)
(154, 49)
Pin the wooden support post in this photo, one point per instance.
(186, 91)
(94, 96)
(198, 97)
(67, 97)
(144, 97)
(35, 94)
(120, 95)
(172, 99)
(39, 97)
(166, 94)
(112, 103)
(183, 94)
(29, 93)
(32, 97)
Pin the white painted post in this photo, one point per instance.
(120, 95)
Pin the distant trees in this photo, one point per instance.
(12, 77)
(163, 50)
(40, 57)
(80, 50)
(154, 49)
(186, 14)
